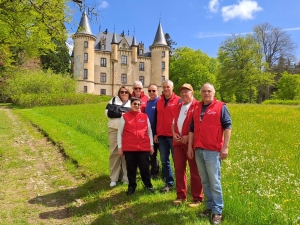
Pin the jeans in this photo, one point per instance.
(209, 167)
(165, 148)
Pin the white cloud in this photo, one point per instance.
(291, 29)
(213, 6)
(243, 10)
(210, 35)
(103, 5)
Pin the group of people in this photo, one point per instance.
(192, 132)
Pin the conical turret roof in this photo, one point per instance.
(114, 39)
(134, 41)
(84, 26)
(159, 37)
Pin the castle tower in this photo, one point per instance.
(114, 48)
(159, 58)
(83, 56)
(134, 49)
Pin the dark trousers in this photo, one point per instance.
(154, 171)
(138, 159)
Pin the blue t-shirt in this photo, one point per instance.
(151, 112)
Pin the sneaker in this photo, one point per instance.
(113, 184)
(195, 203)
(151, 190)
(206, 213)
(166, 188)
(178, 201)
(130, 191)
(216, 219)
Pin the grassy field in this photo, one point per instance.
(261, 176)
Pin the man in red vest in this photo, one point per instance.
(181, 127)
(208, 141)
(166, 106)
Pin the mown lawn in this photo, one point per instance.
(261, 176)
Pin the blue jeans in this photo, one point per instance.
(165, 145)
(209, 167)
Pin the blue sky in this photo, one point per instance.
(198, 24)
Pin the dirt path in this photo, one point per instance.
(34, 184)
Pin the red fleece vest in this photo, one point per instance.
(135, 133)
(208, 133)
(165, 115)
(144, 99)
(187, 121)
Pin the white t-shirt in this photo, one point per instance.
(182, 115)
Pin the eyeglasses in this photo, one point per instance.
(137, 88)
(124, 92)
(151, 91)
(136, 104)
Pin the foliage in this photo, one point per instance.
(281, 102)
(58, 60)
(242, 70)
(170, 42)
(289, 87)
(193, 67)
(32, 88)
(261, 176)
(28, 28)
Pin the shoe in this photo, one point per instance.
(206, 213)
(216, 219)
(154, 177)
(113, 184)
(195, 203)
(166, 188)
(178, 201)
(151, 190)
(130, 191)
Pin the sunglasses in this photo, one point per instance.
(136, 104)
(151, 91)
(137, 88)
(124, 92)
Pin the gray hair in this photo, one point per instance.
(169, 82)
(212, 86)
(137, 82)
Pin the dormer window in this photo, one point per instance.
(102, 47)
(141, 52)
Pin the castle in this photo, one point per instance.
(102, 64)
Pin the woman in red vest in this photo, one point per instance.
(135, 141)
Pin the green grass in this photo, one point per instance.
(261, 177)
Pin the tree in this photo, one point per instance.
(58, 60)
(193, 67)
(289, 87)
(241, 70)
(276, 45)
(170, 43)
(28, 28)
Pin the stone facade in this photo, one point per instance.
(103, 63)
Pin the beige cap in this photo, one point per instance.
(187, 86)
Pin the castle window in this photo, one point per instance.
(102, 91)
(86, 44)
(163, 78)
(163, 54)
(103, 77)
(86, 57)
(142, 66)
(85, 74)
(142, 79)
(103, 62)
(102, 47)
(141, 52)
(163, 65)
(124, 59)
(85, 89)
(124, 78)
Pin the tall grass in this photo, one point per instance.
(261, 177)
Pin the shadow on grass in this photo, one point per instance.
(111, 205)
